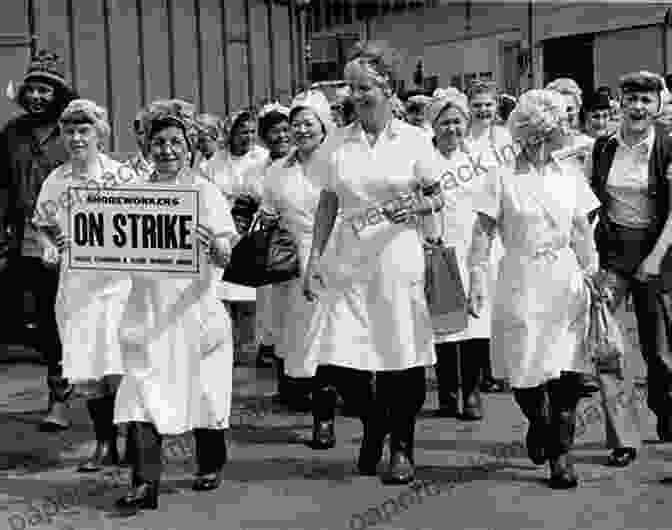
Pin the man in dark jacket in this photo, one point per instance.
(30, 148)
(630, 175)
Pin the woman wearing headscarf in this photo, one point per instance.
(291, 193)
(89, 304)
(238, 172)
(459, 356)
(540, 310)
(274, 134)
(373, 316)
(211, 136)
(176, 335)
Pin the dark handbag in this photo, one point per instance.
(444, 290)
(265, 255)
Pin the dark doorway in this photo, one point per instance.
(570, 57)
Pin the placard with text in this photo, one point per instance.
(134, 229)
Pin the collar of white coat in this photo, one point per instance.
(355, 131)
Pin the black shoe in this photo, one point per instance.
(207, 481)
(142, 497)
(472, 409)
(324, 436)
(265, 356)
(400, 471)
(105, 454)
(563, 476)
(622, 457)
(664, 428)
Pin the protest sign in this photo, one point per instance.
(134, 230)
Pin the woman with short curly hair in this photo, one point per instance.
(540, 309)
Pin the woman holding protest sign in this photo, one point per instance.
(176, 334)
(291, 194)
(89, 304)
(540, 311)
(462, 354)
(373, 317)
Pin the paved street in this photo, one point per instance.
(477, 476)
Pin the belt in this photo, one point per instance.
(549, 253)
(375, 215)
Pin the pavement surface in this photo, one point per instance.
(472, 476)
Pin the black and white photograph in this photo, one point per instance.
(335, 264)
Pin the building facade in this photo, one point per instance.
(220, 54)
(226, 54)
(518, 45)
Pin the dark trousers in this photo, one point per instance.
(653, 310)
(386, 403)
(145, 444)
(459, 366)
(26, 272)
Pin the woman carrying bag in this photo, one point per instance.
(291, 195)
(540, 313)
(462, 347)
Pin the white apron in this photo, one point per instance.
(540, 309)
(374, 315)
(89, 304)
(177, 342)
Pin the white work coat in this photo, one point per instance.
(89, 304)
(540, 308)
(291, 192)
(374, 315)
(176, 338)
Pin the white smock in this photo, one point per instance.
(234, 176)
(89, 304)
(540, 308)
(292, 192)
(454, 224)
(176, 338)
(374, 314)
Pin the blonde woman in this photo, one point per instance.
(89, 304)
(540, 307)
(369, 278)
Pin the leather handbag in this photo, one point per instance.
(265, 255)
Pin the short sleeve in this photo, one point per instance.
(426, 166)
(323, 168)
(487, 200)
(217, 211)
(586, 201)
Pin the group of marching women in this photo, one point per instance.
(155, 352)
